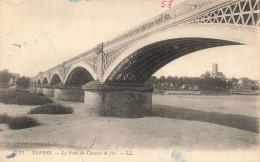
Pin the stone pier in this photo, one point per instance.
(48, 90)
(39, 89)
(68, 93)
(118, 100)
(32, 88)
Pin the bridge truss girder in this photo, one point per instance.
(140, 65)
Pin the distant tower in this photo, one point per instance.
(214, 70)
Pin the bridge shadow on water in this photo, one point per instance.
(231, 120)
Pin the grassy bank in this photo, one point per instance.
(231, 120)
(5, 85)
(20, 122)
(22, 97)
(51, 109)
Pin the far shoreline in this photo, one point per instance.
(205, 93)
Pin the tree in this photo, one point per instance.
(234, 80)
(152, 80)
(255, 87)
(162, 79)
(5, 76)
(205, 75)
(23, 82)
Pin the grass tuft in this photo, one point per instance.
(51, 109)
(20, 122)
(22, 97)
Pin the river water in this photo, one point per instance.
(236, 104)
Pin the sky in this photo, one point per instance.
(37, 35)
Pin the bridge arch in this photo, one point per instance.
(55, 78)
(39, 82)
(79, 74)
(47, 78)
(45, 81)
(206, 36)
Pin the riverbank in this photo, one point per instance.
(157, 131)
(178, 125)
(240, 105)
(253, 93)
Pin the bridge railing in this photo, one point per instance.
(177, 15)
(152, 23)
(90, 51)
(166, 16)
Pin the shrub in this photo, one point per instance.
(4, 118)
(51, 109)
(18, 122)
(22, 97)
(22, 122)
(23, 82)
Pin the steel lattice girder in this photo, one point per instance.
(144, 62)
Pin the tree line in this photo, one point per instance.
(5, 77)
(203, 83)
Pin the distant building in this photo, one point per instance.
(11, 81)
(244, 81)
(14, 78)
(246, 85)
(215, 73)
(247, 82)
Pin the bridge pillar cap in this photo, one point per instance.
(97, 86)
(62, 86)
(47, 86)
